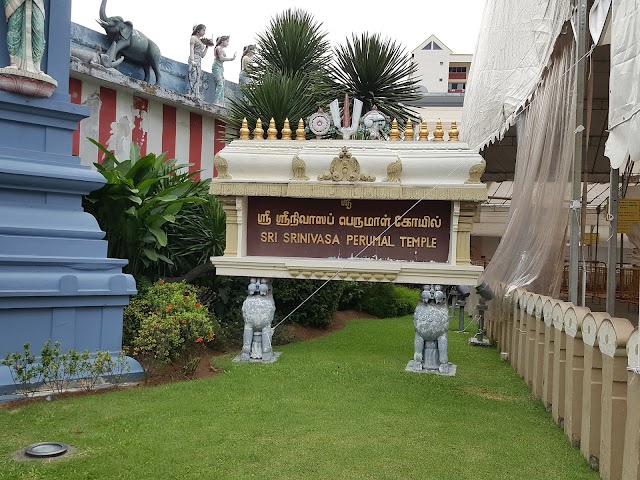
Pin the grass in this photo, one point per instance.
(338, 407)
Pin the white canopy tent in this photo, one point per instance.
(516, 61)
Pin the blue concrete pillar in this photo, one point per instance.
(56, 281)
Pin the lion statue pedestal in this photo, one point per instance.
(431, 344)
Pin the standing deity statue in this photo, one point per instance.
(218, 68)
(198, 47)
(25, 33)
(248, 53)
(26, 44)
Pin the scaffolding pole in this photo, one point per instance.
(576, 184)
(614, 193)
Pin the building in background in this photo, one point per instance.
(443, 79)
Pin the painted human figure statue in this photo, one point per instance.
(218, 68)
(25, 33)
(245, 62)
(198, 47)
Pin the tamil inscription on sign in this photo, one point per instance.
(323, 228)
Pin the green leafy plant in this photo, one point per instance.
(56, 370)
(386, 300)
(25, 373)
(317, 311)
(196, 235)
(141, 197)
(94, 368)
(169, 322)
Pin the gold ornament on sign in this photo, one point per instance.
(454, 133)
(475, 173)
(258, 133)
(393, 171)
(408, 131)
(222, 168)
(244, 130)
(286, 130)
(394, 134)
(299, 168)
(300, 133)
(423, 134)
(345, 167)
(438, 133)
(272, 131)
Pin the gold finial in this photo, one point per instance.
(272, 131)
(394, 134)
(454, 133)
(438, 133)
(423, 134)
(300, 133)
(244, 130)
(258, 133)
(286, 130)
(408, 131)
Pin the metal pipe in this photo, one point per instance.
(614, 190)
(576, 190)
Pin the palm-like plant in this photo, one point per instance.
(376, 71)
(294, 43)
(289, 74)
(276, 96)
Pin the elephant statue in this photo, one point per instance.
(132, 44)
(431, 322)
(258, 311)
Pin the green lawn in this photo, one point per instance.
(339, 407)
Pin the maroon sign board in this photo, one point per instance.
(327, 228)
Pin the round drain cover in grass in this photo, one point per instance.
(46, 449)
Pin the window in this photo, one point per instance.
(440, 79)
(457, 69)
(432, 46)
(441, 63)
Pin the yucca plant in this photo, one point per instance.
(294, 43)
(289, 78)
(142, 196)
(276, 95)
(376, 71)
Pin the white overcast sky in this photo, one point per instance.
(169, 24)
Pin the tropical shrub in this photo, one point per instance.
(142, 196)
(165, 322)
(386, 300)
(196, 235)
(56, 371)
(319, 305)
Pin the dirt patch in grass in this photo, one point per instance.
(173, 373)
(488, 394)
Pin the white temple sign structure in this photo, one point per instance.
(349, 210)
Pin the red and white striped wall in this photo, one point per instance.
(119, 117)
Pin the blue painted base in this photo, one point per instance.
(10, 392)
